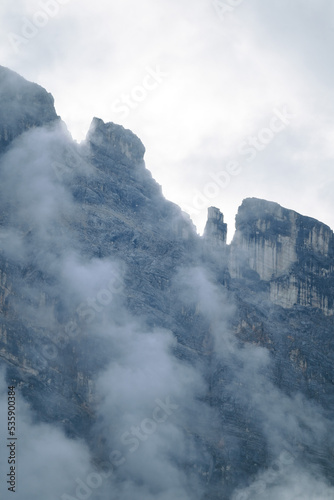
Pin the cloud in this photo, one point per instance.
(73, 320)
(292, 427)
(46, 461)
(287, 481)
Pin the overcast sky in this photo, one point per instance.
(231, 99)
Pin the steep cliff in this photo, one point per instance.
(215, 229)
(23, 105)
(292, 253)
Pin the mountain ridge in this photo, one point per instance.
(110, 301)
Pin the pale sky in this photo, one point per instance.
(232, 99)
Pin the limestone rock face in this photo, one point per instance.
(116, 141)
(291, 252)
(215, 230)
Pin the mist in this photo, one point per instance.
(72, 306)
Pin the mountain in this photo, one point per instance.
(23, 105)
(148, 361)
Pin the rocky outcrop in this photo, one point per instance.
(116, 142)
(215, 230)
(23, 105)
(292, 253)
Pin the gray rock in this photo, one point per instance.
(23, 105)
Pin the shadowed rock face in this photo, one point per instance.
(23, 105)
(254, 318)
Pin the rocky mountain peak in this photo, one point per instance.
(23, 105)
(292, 252)
(215, 230)
(116, 142)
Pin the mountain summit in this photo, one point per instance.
(23, 105)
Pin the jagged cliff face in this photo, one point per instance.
(23, 105)
(192, 368)
(292, 253)
(215, 229)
